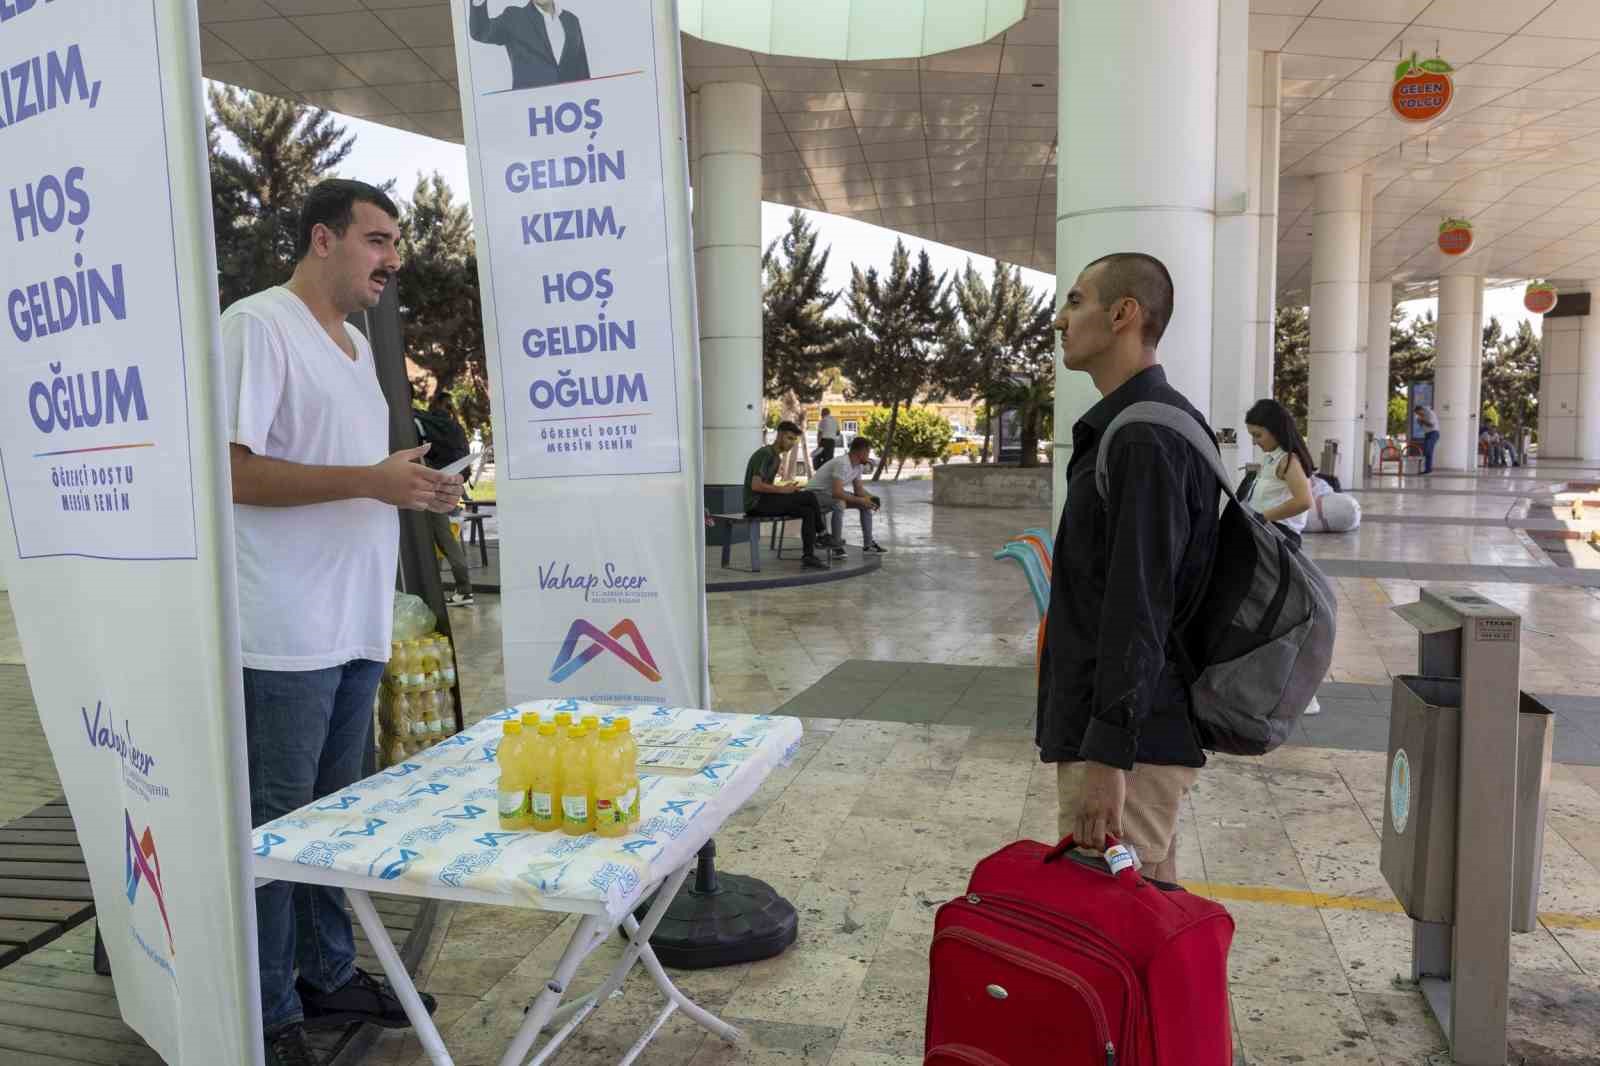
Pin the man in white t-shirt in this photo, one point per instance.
(315, 491)
(837, 485)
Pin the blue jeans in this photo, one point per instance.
(1430, 441)
(307, 734)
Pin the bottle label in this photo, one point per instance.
(513, 803)
(543, 804)
(575, 808)
(436, 727)
(419, 728)
(630, 803)
(609, 811)
(450, 675)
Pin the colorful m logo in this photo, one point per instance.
(143, 864)
(567, 663)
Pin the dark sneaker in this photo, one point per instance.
(824, 540)
(363, 998)
(811, 562)
(287, 1047)
(837, 551)
(876, 548)
(460, 599)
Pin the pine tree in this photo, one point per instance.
(1291, 371)
(439, 301)
(1511, 377)
(266, 153)
(798, 339)
(898, 321)
(1000, 347)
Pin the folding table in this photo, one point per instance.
(429, 827)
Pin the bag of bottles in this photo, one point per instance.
(412, 618)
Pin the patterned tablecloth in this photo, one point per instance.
(430, 823)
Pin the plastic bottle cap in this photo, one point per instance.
(530, 719)
(576, 732)
(511, 728)
(563, 719)
(591, 721)
(608, 731)
(625, 724)
(547, 729)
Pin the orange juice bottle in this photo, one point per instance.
(577, 784)
(513, 786)
(544, 779)
(610, 785)
(630, 760)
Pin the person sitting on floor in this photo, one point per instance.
(764, 495)
(837, 486)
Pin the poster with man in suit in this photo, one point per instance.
(543, 40)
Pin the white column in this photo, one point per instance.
(1358, 460)
(1380, 305)
(1560, 383)
(1147, 186)
(1452, 377)
(1588, 442)
(1335, 279)
(1475, 389)
(727, 260)
(1237, 239)
(1271, 88)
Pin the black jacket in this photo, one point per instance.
(522, 31)
(1109, 690)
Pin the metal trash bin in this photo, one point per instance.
(1420, 795)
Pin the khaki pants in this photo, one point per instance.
(1149, 815)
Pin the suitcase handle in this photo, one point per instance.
(1128, 875)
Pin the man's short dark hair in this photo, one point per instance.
(332, 203)
(860, 444)
(826, 411)
(788, 427)
(1142, 278)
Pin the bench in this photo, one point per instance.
(726, 522)
(44, 884)
(472, 522)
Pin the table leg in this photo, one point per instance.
(545, 1015)
(399, 980)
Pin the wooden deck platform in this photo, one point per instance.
(55, 1011)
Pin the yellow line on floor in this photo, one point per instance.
(1288, 897)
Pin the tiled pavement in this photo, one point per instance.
(884, 812)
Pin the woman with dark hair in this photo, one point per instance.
(1282, 489)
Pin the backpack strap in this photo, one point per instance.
(1176, 419)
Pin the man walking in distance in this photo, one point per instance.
(827, 439)
(1113, 704)
(764, 496)
(315, 491)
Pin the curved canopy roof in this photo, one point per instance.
(960, 145)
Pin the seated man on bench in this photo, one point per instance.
(763, 495)
(837, 487)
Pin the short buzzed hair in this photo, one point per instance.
(789, 427)
(860, 444)
(1142, 278)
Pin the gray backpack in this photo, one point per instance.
(1260, 640)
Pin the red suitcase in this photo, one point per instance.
(1051, 960)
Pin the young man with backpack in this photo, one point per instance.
(438, 428)
(1114, 707)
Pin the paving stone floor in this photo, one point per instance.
(911, 770)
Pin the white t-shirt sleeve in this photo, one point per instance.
(256, 372)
